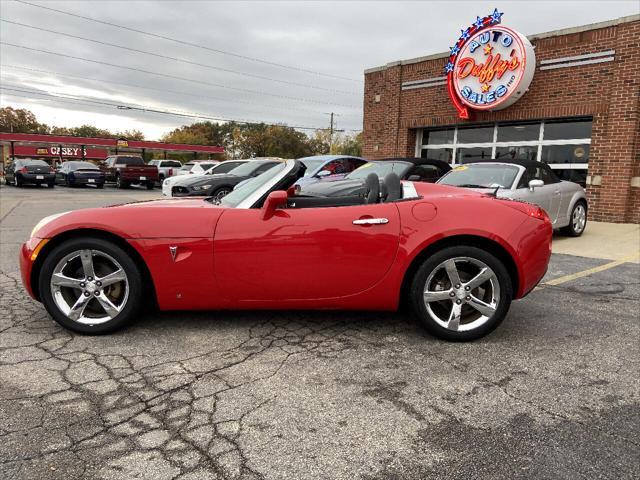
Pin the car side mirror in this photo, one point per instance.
(323, 173)
(274, 201)
(535, 183)
(413, 178)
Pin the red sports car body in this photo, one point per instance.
(193, 254)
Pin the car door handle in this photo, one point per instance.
(371, 221)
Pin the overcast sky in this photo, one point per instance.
(318, 41)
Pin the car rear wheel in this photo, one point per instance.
(220, 193)
(150, 186)
(100, 185)
(90, 286)
(577, 221)
(16, 181)
(461, 293)
(121, 183)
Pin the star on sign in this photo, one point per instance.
(465, 35)
(496, 16)
(448, 67)
(455, 49)
(485, 87)
(479, 23)
(487, 49)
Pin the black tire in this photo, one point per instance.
(574, 229)
(161, 178)
(121, 183)
(150, 185)
(221, 192)
(16, 181)
(134, 277)
(100, 185)
(51, 185)
(434, 263)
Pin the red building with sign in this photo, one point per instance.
(569, 98)
(57, 148)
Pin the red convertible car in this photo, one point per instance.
(455, 256)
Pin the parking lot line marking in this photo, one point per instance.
(584, 273)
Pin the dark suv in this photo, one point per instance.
(27, 170)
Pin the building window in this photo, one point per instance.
(468, 155)
(563, 144)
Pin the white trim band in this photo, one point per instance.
(577, 60)
(427, 82)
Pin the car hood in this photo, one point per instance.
(168, 218)
(334, 189)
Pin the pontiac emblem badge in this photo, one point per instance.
(173, 250)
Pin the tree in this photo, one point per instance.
(261, 140)
(91, 131)
(18, 120)
(348, 145)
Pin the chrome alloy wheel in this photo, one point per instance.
(579, 218)
(223, 192)
(89, 287)
(461, 294)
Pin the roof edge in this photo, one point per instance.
(537, 36)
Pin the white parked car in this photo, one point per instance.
(166, 168)
(217, 169)
(196, 167)
(528, 181)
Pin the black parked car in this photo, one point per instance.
(26, 170)
(217, 186)
(76, 173)
(413, 169)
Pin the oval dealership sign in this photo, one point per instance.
(490, 66)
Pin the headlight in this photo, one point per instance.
(44, 221)
(201, 187)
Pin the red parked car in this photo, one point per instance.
(456, 256)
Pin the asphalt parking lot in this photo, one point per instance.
(553, 393)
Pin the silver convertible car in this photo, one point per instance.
(530, 181)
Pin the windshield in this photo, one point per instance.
(186, 166)
(379, 168)
(223, 167)
(246, 169)
(311, 165)
(246, 189)
(481, 176)
(37, 163)
(83, 165)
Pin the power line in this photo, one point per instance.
(175, 92)
(181, 60)
(183, 42)
(146, 109)
(245, 90)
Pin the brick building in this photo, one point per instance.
(580, 114)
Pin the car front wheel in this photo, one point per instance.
(461, 293)
(90, 285)
(577, 221)
(220, 194)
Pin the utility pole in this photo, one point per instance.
(331, 133)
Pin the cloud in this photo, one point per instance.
(336, 38)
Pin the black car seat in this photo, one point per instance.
(372, 182)
(393, 187)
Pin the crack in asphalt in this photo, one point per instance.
(101, 407)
